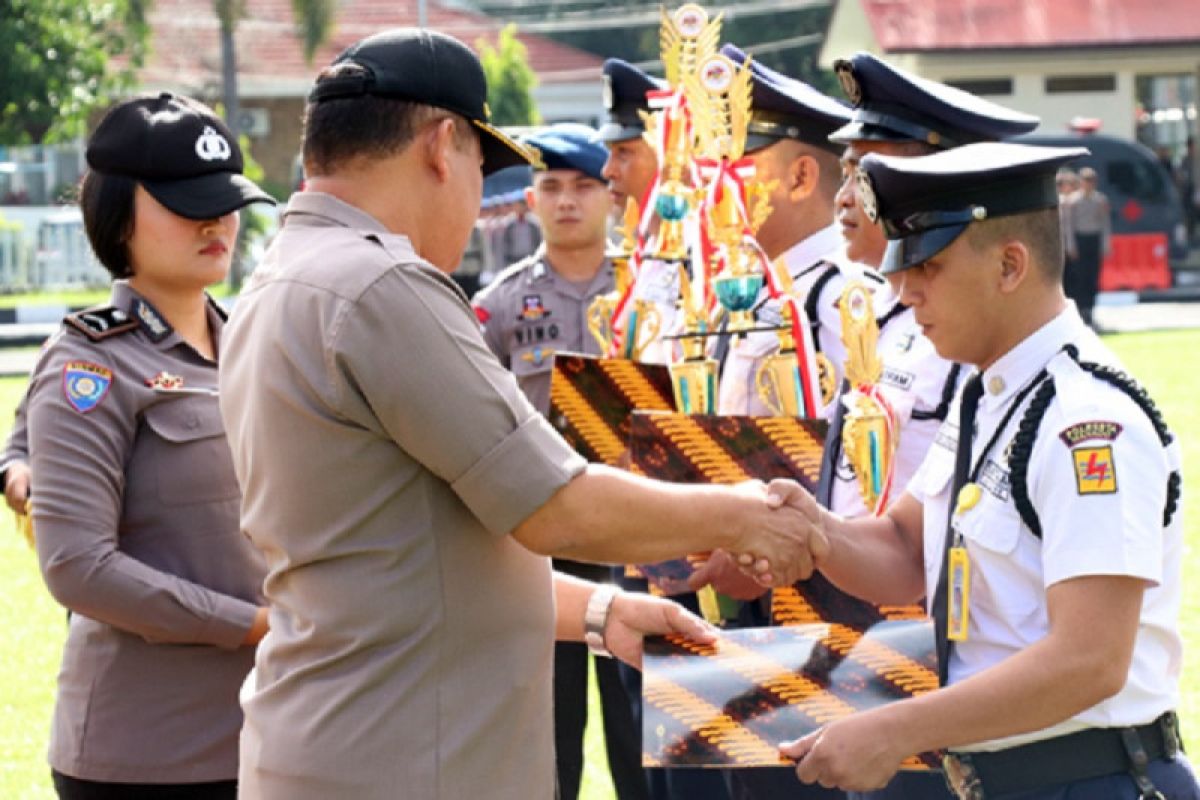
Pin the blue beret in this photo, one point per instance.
(925, 203)
(625, 88)
(785, 108)
(892, 105)
(569, 145)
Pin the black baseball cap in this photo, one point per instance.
(427, 67)
(179, 150)
(925, 203)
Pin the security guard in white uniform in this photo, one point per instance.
(896, 113)
(1044, 524)
(788, 140)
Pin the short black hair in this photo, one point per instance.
(340, 130)
(107, 203)
(1040, 231)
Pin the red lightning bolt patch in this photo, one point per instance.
(1095, 472)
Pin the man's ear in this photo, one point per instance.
(531, 199)
(803, 177)
(438, 142)
(1016, 263)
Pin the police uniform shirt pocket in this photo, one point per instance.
(193, 463)
(1006, 574)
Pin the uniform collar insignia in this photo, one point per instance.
(152, 322)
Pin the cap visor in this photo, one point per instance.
(499, 151)
(616, 132)
(863, 132)
(917, 248)
(207, 196)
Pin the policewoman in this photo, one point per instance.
(1044, 524)
(135, 499)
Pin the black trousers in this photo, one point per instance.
(1085, 284)
(69, 788)
(622, 733)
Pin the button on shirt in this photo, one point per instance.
(1116, 532)
(806, 262)
(530, 312)
(385, 456)
(914, 379)
(136, 511)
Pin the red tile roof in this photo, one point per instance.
(185, 46)
(926, 25)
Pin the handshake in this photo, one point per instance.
(779, 539)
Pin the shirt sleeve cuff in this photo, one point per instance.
(518, 476)
(232, 620)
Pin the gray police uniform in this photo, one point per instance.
(385, 456)
(530, 312)
(136, 513)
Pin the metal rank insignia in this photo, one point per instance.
(866, 195)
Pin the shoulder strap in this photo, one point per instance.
(1032, 419)
(943, 406)
(813, 298)
(101, 322)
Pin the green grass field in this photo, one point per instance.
(33, 625)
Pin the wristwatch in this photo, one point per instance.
(595, 618)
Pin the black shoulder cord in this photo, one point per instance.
(948, 389)
(1027, 431)
(814, 297)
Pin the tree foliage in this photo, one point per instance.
(60, 59)
(510, 79)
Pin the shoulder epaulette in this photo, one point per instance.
(1022, 447)
(101, 322)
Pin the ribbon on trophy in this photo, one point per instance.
(870, 433)
(788, 381)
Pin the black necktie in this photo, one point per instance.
(832, 453)
(972, 391)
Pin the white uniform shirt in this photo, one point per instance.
(914, 378)
(806, 263)
(1092, 524)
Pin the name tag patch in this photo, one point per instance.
(897, 377)
(995, 479)
(1095, 472)
(1092, 430)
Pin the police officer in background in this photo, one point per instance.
(533, 309)
(1043, 525)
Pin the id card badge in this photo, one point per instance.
(959, 604)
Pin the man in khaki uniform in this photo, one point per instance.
(534, 309)
(404, 491)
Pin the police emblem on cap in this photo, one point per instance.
(212, 146)
(845, 74)
(866, 195)
(606, 93)
(716, 74)
(690, 20)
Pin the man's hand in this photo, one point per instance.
(857, 754)
(726, 577)
(16, 486)
(792, 535)
(633, 616)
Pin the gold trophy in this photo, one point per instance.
(602, 309)
(778, 378)
(869, 432)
